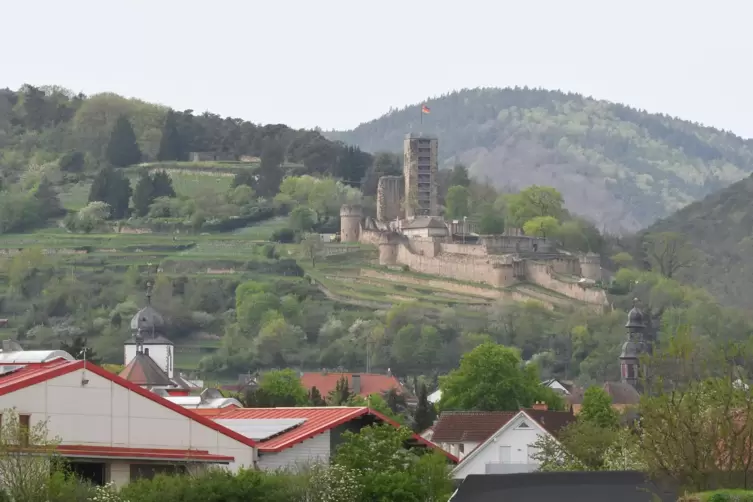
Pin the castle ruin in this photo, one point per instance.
(409, 234)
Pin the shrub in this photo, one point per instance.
(283, 235)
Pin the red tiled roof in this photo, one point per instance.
(371, 383)
(552, 421)
(143, 370)
(318, 420)
(469, 426)
(32, 374)
(87, 451)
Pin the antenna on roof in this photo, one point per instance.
(84, 380)
(148, 292)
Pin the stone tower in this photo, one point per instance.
(634, 347)
(389, 198)
(350, 222)
(590, 266)
(420, 169)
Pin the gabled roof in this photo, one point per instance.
(621, 394)
(142, 370)
(552, 421)
(317, 421)
(33, 374)
(425, 222)
(513, 420)
(371, 383)
(469, 426)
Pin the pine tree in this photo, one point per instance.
(270, 172)
(163, 184)
(122, 149)
(315, 398)
(143, 194)
(425, 413)
(171, 144)
(112, 187)
(341, 395)
(49, 202)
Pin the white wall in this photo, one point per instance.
(309, 451)
(520, 443)
(103, 413)
(162, 354)
(454, 448)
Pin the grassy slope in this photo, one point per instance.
(621, 167)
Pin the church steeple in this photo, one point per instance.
(633, 347)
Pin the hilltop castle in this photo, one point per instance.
(410, 233)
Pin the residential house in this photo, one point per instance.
(497, 442)
(360, 384)
(287, 437)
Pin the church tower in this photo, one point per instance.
(634, 347)
(148, 328)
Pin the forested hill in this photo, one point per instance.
(621, 167)
(719, 231)
(39, 124)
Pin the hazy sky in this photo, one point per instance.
(337, 63)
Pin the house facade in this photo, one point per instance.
(113, 430)
(497, 442)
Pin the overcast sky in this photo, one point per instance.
(337, 63)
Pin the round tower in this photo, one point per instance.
(350, 222)
(387, 253)
(590, 266)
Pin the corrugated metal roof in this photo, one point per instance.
(261, 429)
(174, 455)
(196, 402)
(317, 421)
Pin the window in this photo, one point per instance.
(461, 448)
(523, 425)
(146, 351)
(24, 423)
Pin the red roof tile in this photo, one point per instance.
(32, 374)
(469, 426)
(87, 451)
(318, 420)
(371, 383)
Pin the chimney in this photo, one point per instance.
(541, 406)
(356, 384)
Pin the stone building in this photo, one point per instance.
(390, 198)
(420, 171)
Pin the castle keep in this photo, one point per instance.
(426, 243)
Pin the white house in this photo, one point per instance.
(424, 226)
(111, 429)
(510, 449)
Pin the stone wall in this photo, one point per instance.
(389, 198)
(500, 244)
(458, 267)
(544, 275)
(466, 249)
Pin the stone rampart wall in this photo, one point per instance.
(458, 267)
(468, 249)
(544, 275)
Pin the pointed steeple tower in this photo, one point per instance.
(148, 329)
(633, 347)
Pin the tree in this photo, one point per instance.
(456, 203)
(72, 162)
(668, 252)
(23, 476)
(341, 395)
(312, 245)
(301, 219)
(112, 187)
(89, 218)
(597, 408)
(170, 145)
(491, 222)
(493, 378)
(425, 414)
(584, 446)
(534, 201)
(79, 349)
(162, 184)
(276, 389)
(47, 196)
(541, 226)
(459, 176)
(386, 470)
(122, 149)
(315, 397)
(143, 194)
(270, 173)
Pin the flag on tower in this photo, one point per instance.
(425, 109)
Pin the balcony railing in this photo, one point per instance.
(510, 467)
